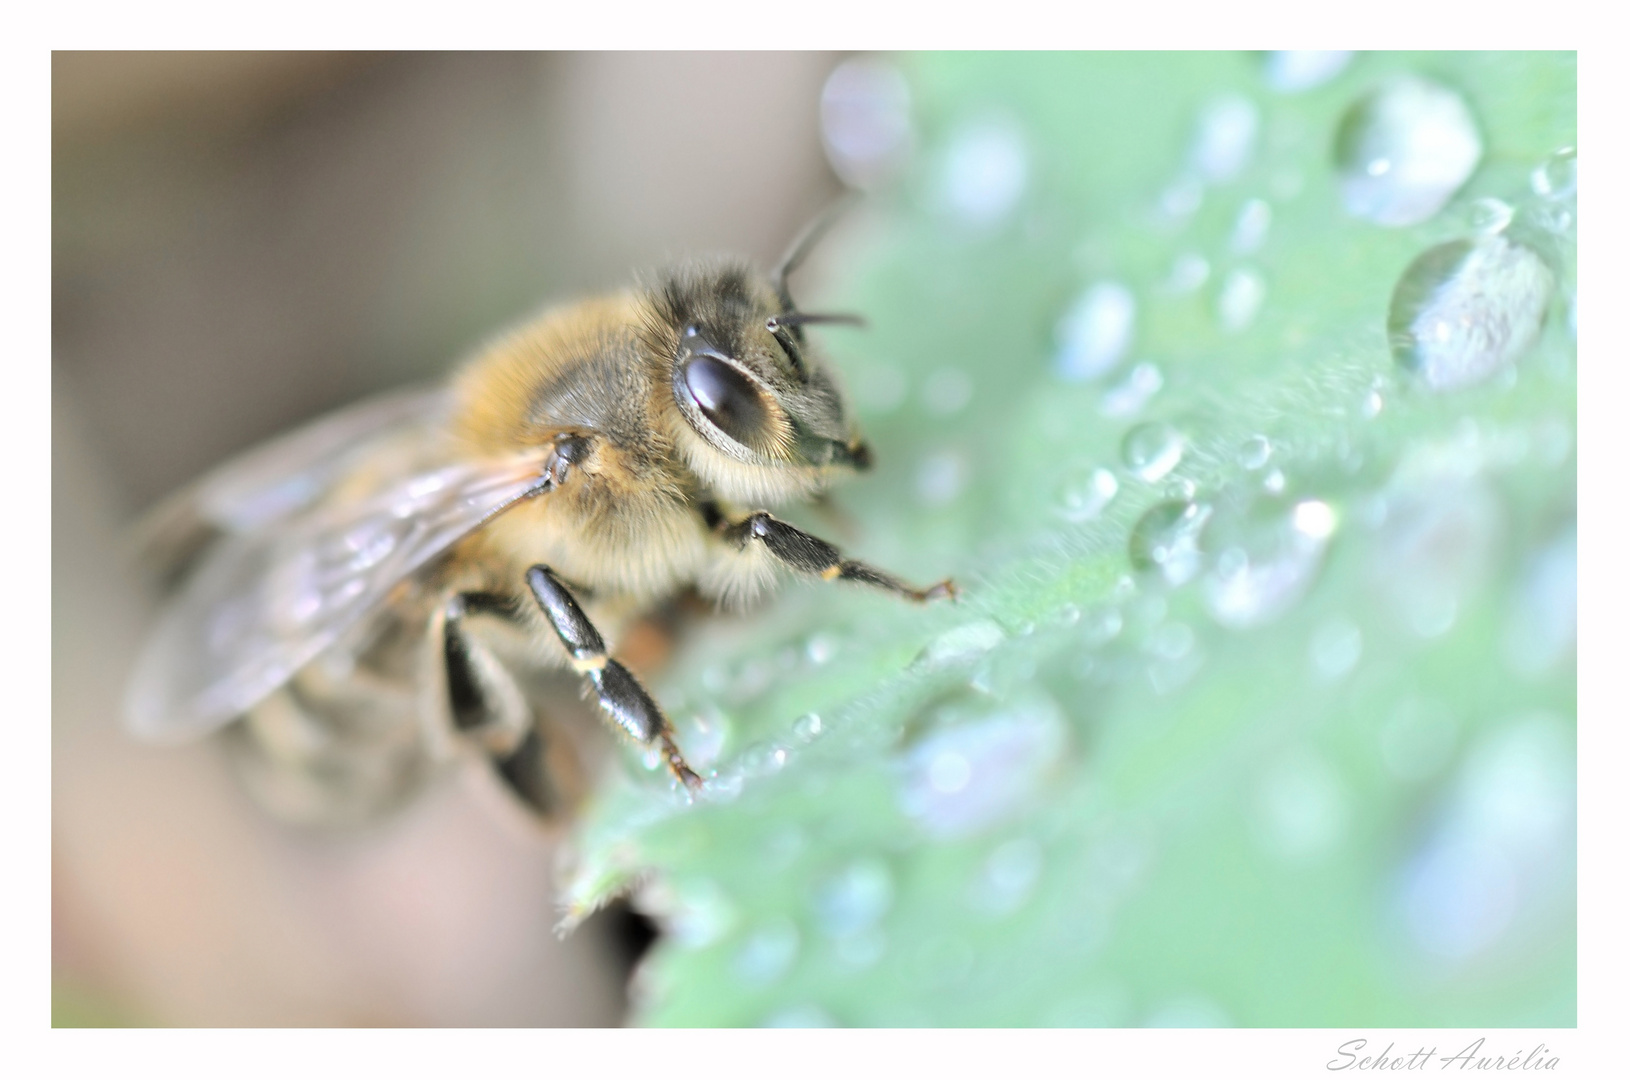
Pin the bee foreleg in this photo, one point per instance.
(811, 555)
(483, 699)
(624, 700)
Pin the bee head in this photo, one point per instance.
(763, 417)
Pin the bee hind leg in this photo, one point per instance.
(808, 554)
(486, 704)
(623, 699)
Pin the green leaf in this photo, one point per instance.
(1258, 707)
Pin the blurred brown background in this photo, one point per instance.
(242, 241)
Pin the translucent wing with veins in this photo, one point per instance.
(263, 603)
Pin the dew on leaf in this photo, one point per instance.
(965, 778)
(1166, 539)
(1150, 451)
(854, 899)
(1403, 150)
(1291, 71)
(1557, 177)
(1254, 452)
(1094, 335)
(1240, 298)
(1251, 227)
(1543, 622)
(1467, 310)
(1225, 138)
(808, 727)
(961, 644)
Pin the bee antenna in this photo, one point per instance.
(804, 244)
(805, 318)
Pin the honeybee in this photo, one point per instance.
(359, 599)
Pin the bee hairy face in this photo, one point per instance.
(748, 385)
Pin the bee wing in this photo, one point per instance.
(277, 480)
(261, 606)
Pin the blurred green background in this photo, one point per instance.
(1237, 391)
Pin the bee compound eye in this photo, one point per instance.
(728, 399)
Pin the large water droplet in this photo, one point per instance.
(1085, 491)
(1095, 333)
(1150, 451)
(1558, 176)
(1466, 310)
(1166, 539)
(1226, 136)
(985, 172)
(1404, 150)
(1292, 70)
(1240, 298)
(866, 121)
(968, 777)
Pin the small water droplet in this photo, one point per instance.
(1095, 333)
(1240, 298)
(853, 900)
(986, 169)
(947, 391)
(1404, 150)
(1254, 452)
(808, 727)
(1251, 227)
(768, 953)
(821, 648)
(1166, 539)
(1085, 492)
(1557, 177)
(704, 736)
(1291, 71)
(1100, 626)
(1131, 394)
(866, 121)
(1225, 139)
(1189, 271)
(965, 778)
(1264, 566)
(762, 759)
(1489, 216)
(1335, 649)
(940, 478)
(1466, 310)
(1274, 482)
(1068, 615)
(1008, 877)
(696, 912)
(1301, 807)
(1150, 451)
(961, 644)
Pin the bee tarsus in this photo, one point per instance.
(800, 551)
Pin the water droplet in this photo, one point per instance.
(1008, 877)
(985, 172)
(1301, 809)
(762, 759)
(1166, 539)
(1274, 482)
(1466, 310)
(1095, 333)
(940, 478)
(1290, 71)
(1170, 641)
(768, 954)
(1131, 394)
(1506, 838)
(1100, 626)
(1489, 216)
(1264, 566)
(1335, 649)
(1240, 298)
(866, 121)
(947, 391)
(1373, 402)
(1189, 271)
(821, 648)
(1543, 624)
(1150, 451)
(703, 735)
(1558, 176)
(961, 644)
(1254, 452)
(1404, 150)
(1225, 139)
(1417, 739)
(965, 778)
(695, 913)
(800, 1016)
(855, 899)
(1068, 615)
(1251, 227)
(808, 727)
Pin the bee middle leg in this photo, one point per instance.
(808, 554)
(621, 696)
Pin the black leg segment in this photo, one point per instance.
(622, 697)
(812, 555)
(474, 699)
